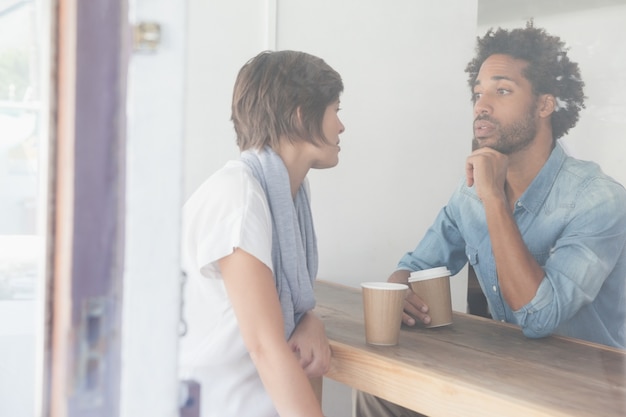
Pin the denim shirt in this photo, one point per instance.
(572, 219)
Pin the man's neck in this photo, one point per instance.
(524, 166)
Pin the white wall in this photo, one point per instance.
(221, 36)
(408, 123)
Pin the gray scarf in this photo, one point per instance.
(294, 245)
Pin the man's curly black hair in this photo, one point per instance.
(549, 69)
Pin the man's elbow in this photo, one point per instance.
(536, 325)
(534, 333)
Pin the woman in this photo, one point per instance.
(249, 247)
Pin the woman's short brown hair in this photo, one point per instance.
(282, 93)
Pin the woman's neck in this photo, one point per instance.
(296, 163)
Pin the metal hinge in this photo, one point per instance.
(93, 344)
(189, 405)
(146, 37)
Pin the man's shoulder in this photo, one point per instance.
(581, 167)
(586, 171)
(587, 181)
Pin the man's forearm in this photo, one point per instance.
(519, 274)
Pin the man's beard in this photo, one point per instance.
(514, 137)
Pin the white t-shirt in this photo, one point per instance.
(212, 352)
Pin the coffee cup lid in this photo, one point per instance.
(424, 274)
(384, 285)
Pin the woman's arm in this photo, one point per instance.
(251, 289)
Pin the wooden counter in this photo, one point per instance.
(474, 367)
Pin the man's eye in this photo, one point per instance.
(503, 91)
(476, 96)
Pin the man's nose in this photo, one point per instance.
(482, 106)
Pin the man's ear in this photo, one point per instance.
(547, 105)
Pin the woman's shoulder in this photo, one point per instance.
(234, 173)
(228, 210)
(232, 183)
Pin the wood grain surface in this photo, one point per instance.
(473, 367)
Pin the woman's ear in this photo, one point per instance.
(299, 114)
(547, 105)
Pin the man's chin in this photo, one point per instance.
(478, 143)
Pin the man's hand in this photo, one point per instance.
(486, 169)
(414, 307)
(310, 344)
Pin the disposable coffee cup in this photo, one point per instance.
(433, 287)
(382, 307)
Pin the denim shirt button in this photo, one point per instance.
(494, 289)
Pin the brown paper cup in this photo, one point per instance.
(382, 309)
(433, 286)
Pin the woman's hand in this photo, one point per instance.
(310, 344)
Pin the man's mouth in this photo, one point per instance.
(483, 127)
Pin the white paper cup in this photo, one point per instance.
(382, 308)
(433, 286)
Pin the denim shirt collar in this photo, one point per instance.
(535, 195)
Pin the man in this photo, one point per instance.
(545, 233)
